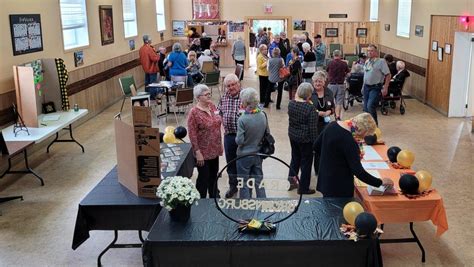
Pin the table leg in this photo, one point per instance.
(28, 169)
(66, 140)
(113, 244)
(413, 239)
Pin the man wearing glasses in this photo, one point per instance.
(376, 80)
(229, 109)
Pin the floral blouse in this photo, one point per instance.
(205, 132)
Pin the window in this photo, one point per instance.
(74, 23)
(374, 10)
(160, 15)
(403, 18)
(129, 18)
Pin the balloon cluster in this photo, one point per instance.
(409, 184)
(372, 139)
(365, 222)
(173, 135)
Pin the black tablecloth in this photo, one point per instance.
(311, 237)
(111, 206)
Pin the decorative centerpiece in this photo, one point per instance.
(177, 195)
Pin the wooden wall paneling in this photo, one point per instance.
(439, 72)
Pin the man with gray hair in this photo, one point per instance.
(239, 53)
(337, 71)
(262, 38)
(229, 109)
(149, 60)
(205, 57)
(284, 45)
(376, 81)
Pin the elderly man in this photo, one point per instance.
(262, 38)
(319, 50)
(284, 45)
(148, 59)
(337, 70)
(205, 57)
(229, 109)
(274, 44)
(239, 53)
(376, 80)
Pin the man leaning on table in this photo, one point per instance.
(149, 60)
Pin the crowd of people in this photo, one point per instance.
(318, 136)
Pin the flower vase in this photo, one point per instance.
(181, 213)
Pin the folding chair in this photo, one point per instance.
(207, 66)
(212, 79)
(184, 99)
(127, 84)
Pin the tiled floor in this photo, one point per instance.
(38, 231)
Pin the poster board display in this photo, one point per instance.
(26, 33)
(206, 10)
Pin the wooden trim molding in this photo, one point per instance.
(409, 66)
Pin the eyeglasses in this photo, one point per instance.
(206, 94)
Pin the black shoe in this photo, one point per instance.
(278, 107)
(293, 186)
(231, 192)
(265, 106)
(306, 192)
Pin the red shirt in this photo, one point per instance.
(149, 59)
(337, 70)
(205, 132)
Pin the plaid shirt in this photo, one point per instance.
(229, 110)
(303, 122)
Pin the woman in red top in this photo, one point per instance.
(204, 126)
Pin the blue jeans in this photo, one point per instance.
(230, 149)
(371, 99)
(251, 167)
(150, 78)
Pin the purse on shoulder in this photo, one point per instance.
(267, 144)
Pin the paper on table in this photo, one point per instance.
(51, 117)
(371, 154)
(375, 165)
(359, 183)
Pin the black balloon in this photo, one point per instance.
(370, 139)
(392, 153)
(365, 223)
(409, 184)
(180, 132)
(161, 137)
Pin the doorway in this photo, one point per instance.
(277, 25)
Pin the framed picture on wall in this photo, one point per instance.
(387, 27)
(434, 46)
(447, 48)
(78, 58)
(332, 32)
(440, 54)
(206, 9)
(419, 30)
(361, 32)
(299, 25)
(178, 28)
(106, 22)
(26, 33)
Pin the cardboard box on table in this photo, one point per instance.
(138, 155)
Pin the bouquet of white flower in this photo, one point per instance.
(175, 191)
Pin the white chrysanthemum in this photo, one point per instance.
(175, 191)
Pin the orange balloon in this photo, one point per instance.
(351, 210)
(425, 179)
(405, 158)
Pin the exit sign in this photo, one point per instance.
(268, 8)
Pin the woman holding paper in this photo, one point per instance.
(340, 153)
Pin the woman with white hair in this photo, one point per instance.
(340, 150)
(302, 130)
(206, 56)
(396, 84)
(177, 61)
(204, 127)
(251, 127)
(309, 62)
(275, 63)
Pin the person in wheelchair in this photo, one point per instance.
(396, 83)
(356, 81)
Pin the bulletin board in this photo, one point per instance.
(26, 34)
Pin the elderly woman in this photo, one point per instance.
(204, 126)
(206, 56)
(177, 61)
(194, 75)
(262, 72)
(340, 151)
(396, 84)
(295, 78)
(309, 62)
(250, 130)
(274, 65)
(323, 101)
(302, 130)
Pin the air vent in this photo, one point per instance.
(338, 16)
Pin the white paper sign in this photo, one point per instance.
(375, 165)
(371, 154)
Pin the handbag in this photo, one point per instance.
(283, 73)
(267, 144)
